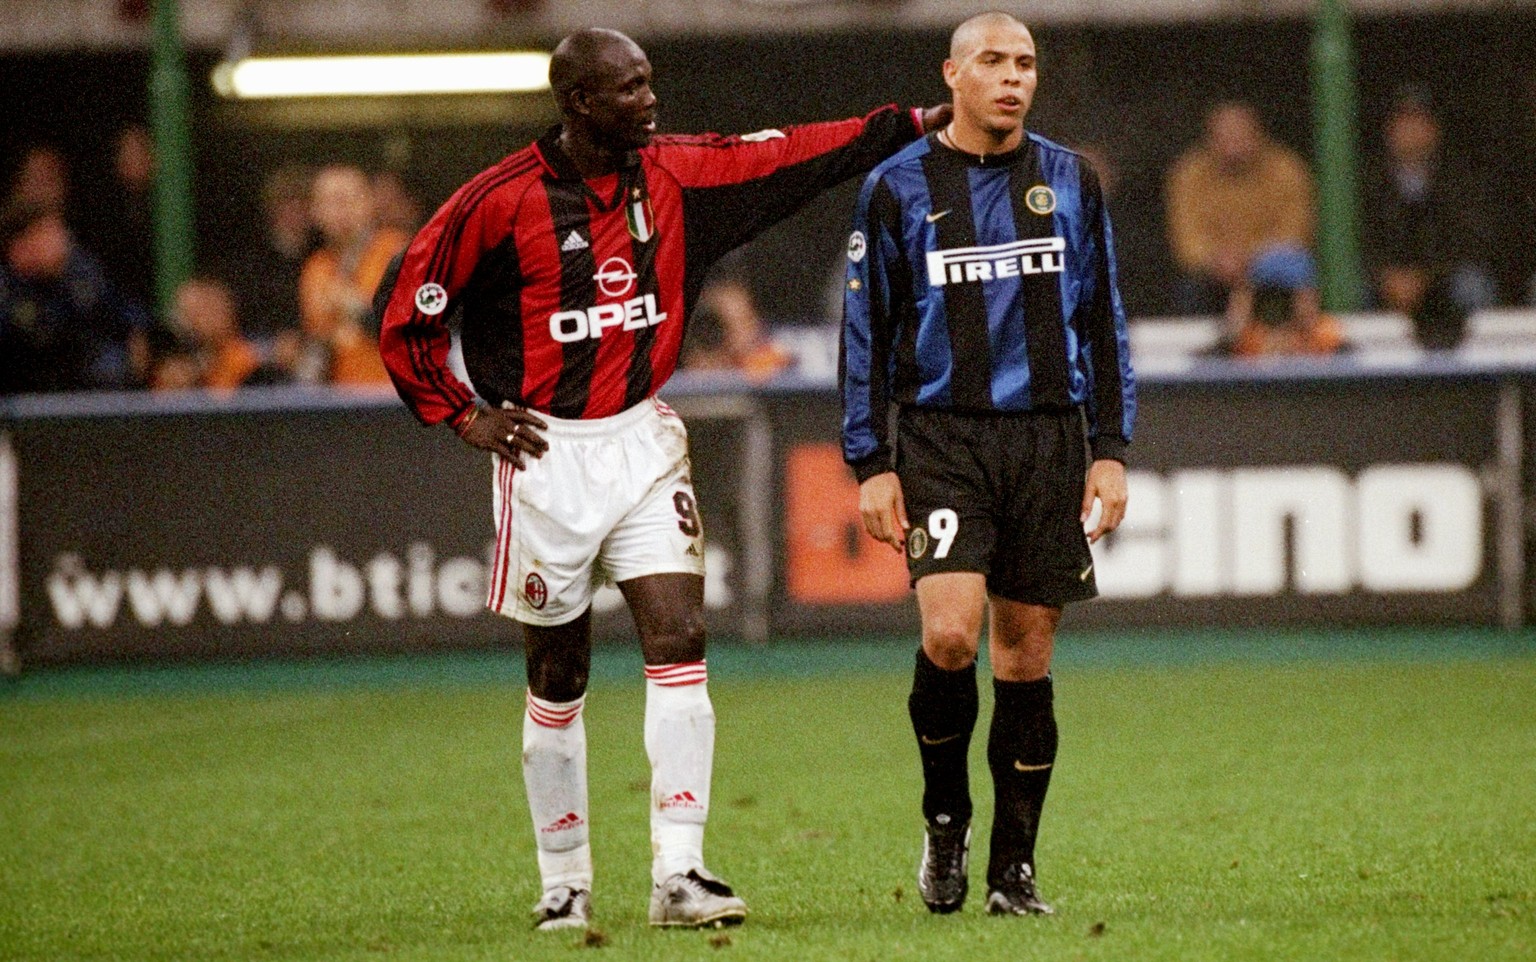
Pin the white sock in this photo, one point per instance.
(555, 773)
(680, 740)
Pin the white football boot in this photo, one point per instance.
(696, 900)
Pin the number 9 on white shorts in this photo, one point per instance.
(611, 500)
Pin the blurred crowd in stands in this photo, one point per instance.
(1242, 222)
(78, 303)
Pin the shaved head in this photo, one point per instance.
(601, 80)
(581, 59)
(970, 34)
(992, 73)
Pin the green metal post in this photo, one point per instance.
(1334, 100)
(173, 153)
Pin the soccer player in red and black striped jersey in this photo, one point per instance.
(571, 268)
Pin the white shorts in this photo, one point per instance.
(610, 500)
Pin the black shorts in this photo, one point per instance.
(998, 494)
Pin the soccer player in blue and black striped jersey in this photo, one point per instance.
(981, 300)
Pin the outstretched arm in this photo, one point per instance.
(736, 187)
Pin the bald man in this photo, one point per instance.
(572, 267)
(981, 300)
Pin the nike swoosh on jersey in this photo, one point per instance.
(930, 218)
(1086, 572)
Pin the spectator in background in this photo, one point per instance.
(265, 278)
(42, 179)
(1233, 195)
(124, 233)
(63, 325)
(1277, 310)
(1424, 227)
(397, 207)
(206, 349)
(726, 334)
(337, 284)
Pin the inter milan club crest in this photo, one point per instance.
(640, 217)
(917, 542)
(1040, 199)
(535, 591)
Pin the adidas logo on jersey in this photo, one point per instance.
(574, 242)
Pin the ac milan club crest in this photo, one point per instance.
(535, 591)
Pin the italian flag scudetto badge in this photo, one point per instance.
(641, 219)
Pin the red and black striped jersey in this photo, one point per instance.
(572, 294)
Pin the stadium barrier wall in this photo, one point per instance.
(280, 522)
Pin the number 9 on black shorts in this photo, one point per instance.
(998, 494)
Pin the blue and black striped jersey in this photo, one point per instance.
(982, 284)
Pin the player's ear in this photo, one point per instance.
(951, 69)
(580, 102)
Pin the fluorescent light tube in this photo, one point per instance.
(383, 75)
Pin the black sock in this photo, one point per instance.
(943, 707)
(1020, 752)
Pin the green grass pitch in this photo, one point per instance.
(1281, 797)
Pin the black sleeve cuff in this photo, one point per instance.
(877, 463)
(1108, 447)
